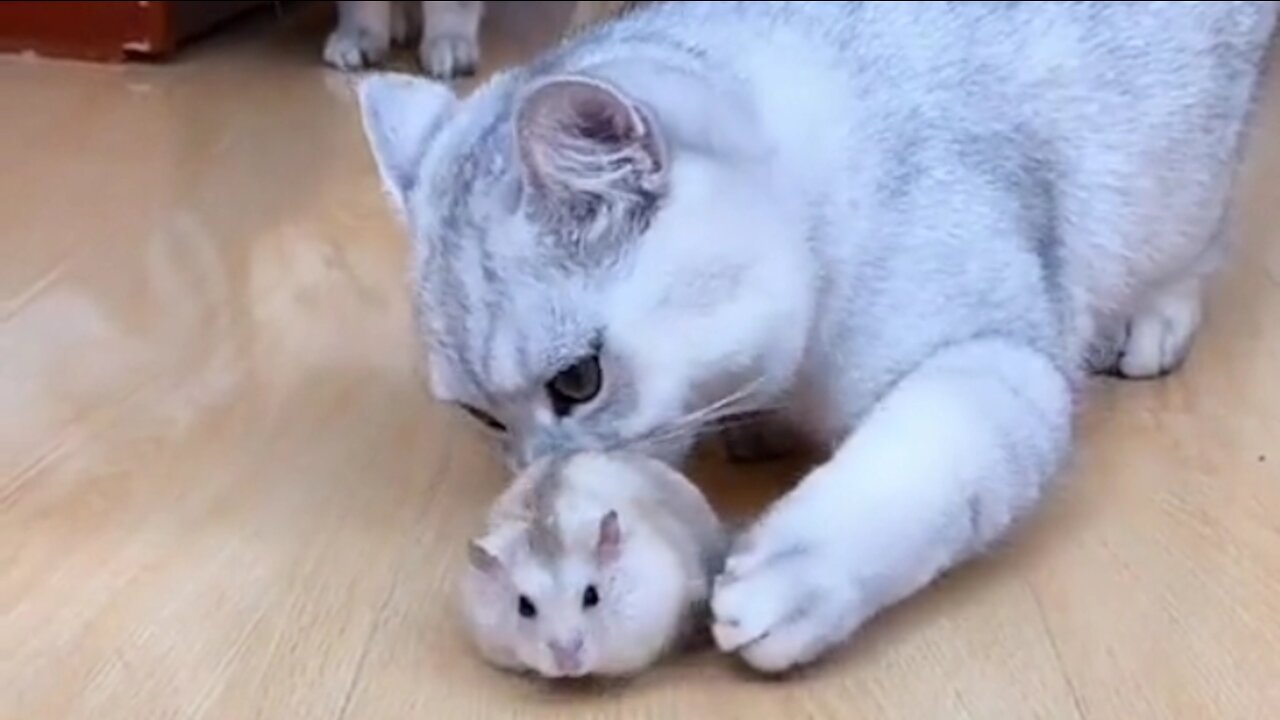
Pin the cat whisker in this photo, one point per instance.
(706, 419)
(698, 431)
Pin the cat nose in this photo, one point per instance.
(527, 450)
(520, 455)
(567, 655)
(515, 462)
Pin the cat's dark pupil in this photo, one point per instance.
(527, 608)
(488, 420)
(577, 384)
(590, 597)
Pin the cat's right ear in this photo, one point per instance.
(581, 135)
(402, 115)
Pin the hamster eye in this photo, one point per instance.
(575, 385)
(590, 597)
(485, 418)
(527, 608)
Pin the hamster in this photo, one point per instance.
(596, 564)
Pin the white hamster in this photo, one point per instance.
(592, 565)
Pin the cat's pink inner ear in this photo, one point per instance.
(481, 559)
(577, 131)
(609, 544)
(582, 108)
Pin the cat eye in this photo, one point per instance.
(590, 597)
(527, 608)
(575, 385)
(485, 418)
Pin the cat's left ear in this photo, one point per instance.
(579, 135)
(402, 115)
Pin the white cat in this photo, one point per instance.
(910, 227)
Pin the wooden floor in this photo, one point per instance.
(224, 493)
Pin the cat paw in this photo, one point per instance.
(781, 604)
(1159, 339)
(348, 49)
(449, 56)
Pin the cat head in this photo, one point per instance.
(592, 268)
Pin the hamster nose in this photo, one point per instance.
(567, 655)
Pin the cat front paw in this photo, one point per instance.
(783, 601)
(449, 56)
(354, 49)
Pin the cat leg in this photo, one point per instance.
(450, 45)
(406, 22)
(941, 468)
(363, 35)
(1159, 336)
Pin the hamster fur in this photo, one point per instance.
(591, 565)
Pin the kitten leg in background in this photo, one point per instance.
(450, 45)
(406, 22)
(945, 464)
(363, 35)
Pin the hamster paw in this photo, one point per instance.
(353, 49)
(449, 56)
(780, 605)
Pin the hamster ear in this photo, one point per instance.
(402, 114)
(609, 542)
(483, 560)
(581, 136)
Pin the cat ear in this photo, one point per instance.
(577, 135)
(609, 541)
(402, 115)
(481, 559)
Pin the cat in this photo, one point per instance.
(912, 229)
(448, 32)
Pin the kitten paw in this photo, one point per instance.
(449, 56)
(354, 49)
(781, 605)
(1159, 338)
